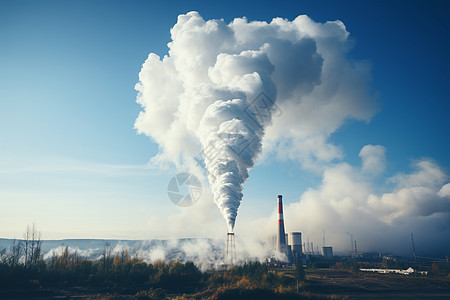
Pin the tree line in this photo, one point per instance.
(23, 267)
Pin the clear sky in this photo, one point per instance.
(71, 161)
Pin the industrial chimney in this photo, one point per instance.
(281, 238)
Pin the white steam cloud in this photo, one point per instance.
(380, 218)
(245, 90)
(206, 253)
(222, 87)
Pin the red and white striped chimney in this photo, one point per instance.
(281, 238)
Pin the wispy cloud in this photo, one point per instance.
(60, 166)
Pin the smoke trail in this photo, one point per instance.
(235, 145)
(215, 92)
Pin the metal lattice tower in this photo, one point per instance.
(413, 246)
(351, 241)
(230, 255)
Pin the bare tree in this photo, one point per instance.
(13, 258)
(26, 241)
(106, 257)
(32, 247)
(3, 256)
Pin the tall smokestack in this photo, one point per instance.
(281, 238)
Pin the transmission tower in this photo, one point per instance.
(230, 255)
(351, 241)
(413, 246)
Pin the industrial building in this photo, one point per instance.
(327, 252)
(290, 244)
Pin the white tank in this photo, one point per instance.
(295, 241)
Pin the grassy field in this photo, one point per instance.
(348, 284)
(127, 278)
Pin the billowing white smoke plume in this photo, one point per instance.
(204, 97)
(215, 92)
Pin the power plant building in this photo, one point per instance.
(291, 245)
(327, 252)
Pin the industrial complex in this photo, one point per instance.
(289, 247)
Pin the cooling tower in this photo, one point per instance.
(295, 241)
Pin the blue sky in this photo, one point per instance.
(71, 162)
